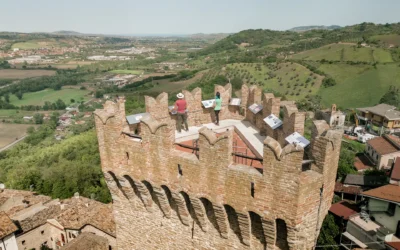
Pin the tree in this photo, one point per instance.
(30, 130)
(38, 118)
(391, 97)
(19, 95)
(72, 100)
(60, 104)
(7, 98)
(329, 231)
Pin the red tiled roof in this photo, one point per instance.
(7, 227)
(396, 170)
(382, 146)
(395, 245)
(362, 163)
(388, 192)
(344, 209)
(395, 139)
(339, 187)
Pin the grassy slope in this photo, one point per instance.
(133, 72)
(38, 98)
(359, 86)
(285, 72)
(345, 52)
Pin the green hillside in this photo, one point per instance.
(58, 169)
(358, 86)
(346, 52)
(290, 79)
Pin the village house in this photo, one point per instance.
(55, 223)
(395, 172)
(342, 211)
(383, 150)
(7, 230)
(381, 115)
(379, 221)
(332, 116)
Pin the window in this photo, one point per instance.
(23, 242)
(391, 209)
(127, 155)
(69, 235)
(42, 232)
(252, 189)
(376, 156)
(180, 170)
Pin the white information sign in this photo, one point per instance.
(273, 121)
(134, 119)
(297, 139)
(255, 108)
(208, 103)
(235, 101)
(171, 110)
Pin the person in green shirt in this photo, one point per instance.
(217, 107)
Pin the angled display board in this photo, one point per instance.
(255, 108)
(134, 119)
(208, 103)
(297, 139)
(171, 110)
(235, 102)
(273, 121)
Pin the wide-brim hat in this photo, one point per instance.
(180, 95)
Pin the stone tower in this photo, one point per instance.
(166, 198)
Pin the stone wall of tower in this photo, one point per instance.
(170, 199)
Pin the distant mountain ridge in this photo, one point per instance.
(67, 33)
(315, 27)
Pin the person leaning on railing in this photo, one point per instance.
(180, 107)
(217, 107)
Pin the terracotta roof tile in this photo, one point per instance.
(395, 245)
(382, 146)
(362, 162)
(344, 209)
(388, 192)
(7, 226)
(81, 211)
(396, 170)
(339, 187)
(87, 241)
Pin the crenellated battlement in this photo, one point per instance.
(279, 205)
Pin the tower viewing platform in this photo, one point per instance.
(252, 182)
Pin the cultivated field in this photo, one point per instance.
(345, 52)
(358, 86)
(166, 85)
(38, 98)
(26, 45)
(11, 132)
(35, 44)
(291, 79)
(388, 39)
(132, 72)
(22, 74)
(68, 65)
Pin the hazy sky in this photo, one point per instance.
(188, 16)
